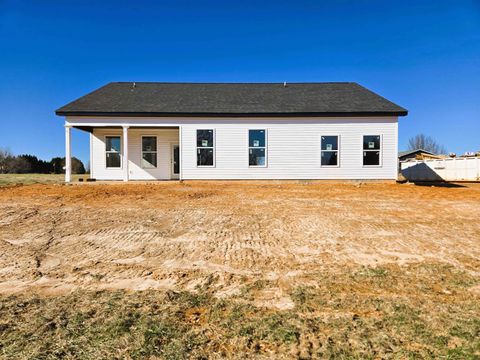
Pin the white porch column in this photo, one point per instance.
(68, 155)
(125, 153)
(180, 152)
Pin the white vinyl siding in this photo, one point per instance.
(165, 139)
(293, 147)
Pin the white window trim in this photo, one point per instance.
(141, 152)
(380, 158)
(214, 147)
(258, 147)
(105, 151)
(338, 151)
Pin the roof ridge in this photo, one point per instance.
(231, 83)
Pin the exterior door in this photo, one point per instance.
(175, 161)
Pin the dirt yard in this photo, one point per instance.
(324, 251)
(170, 235)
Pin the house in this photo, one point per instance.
(417, 154)
(146, 131)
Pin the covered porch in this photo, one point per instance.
(129, 152)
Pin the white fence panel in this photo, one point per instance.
(451, 169)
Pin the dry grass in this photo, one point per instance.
(418, 311)
(239, 269)
(27, 179)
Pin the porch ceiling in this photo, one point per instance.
(118, 127)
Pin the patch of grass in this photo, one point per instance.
(28, 179)
(300, 295)
(251, 289)
(164, 337)
(308, 299)
(468, 329)
(336, 318)
(368, 271)
(186, 299)
(278, 328)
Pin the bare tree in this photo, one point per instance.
(11, 164)
(18, 165)
(5, 158)
(58, 165)
(421, 141)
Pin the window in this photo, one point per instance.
(205, 148)
(149, 152)
(329, 150)
(371, 150)
(257, 148)
(112, 151)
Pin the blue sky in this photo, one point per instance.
(423, 55)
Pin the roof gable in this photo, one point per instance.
(410, 152)
(231, 99)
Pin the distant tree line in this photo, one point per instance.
(23, 164)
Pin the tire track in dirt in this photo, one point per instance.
(182, 235)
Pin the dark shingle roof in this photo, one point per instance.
(409, 152)
(235, 99)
